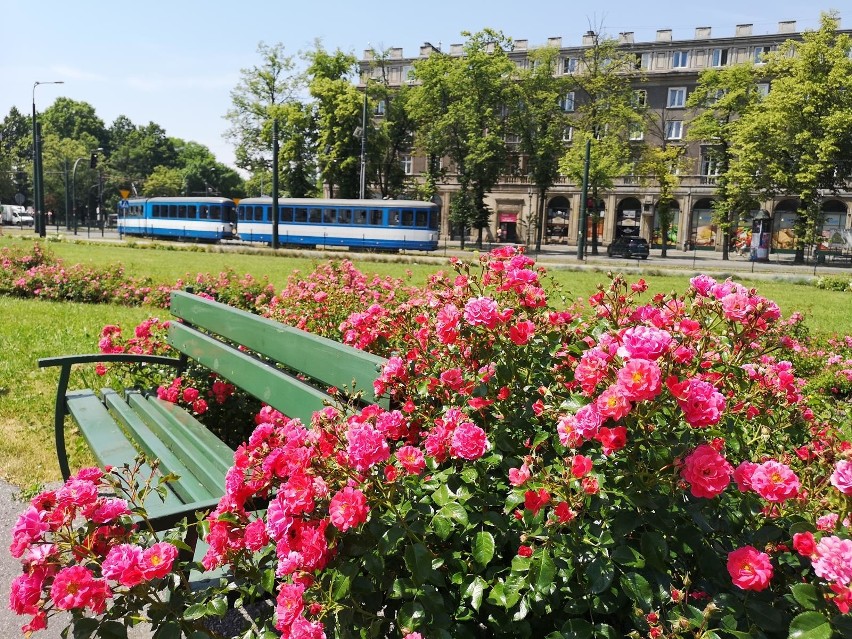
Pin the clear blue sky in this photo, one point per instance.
(175, 63)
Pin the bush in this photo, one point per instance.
(624, 468)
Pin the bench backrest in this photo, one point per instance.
(212, 333)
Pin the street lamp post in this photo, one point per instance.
(363, 177)
(74, 188)
(38, 183)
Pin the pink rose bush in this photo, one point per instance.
(85, 552)
(626, 466)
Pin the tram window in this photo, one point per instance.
(300, 215)
(393, 218)
(285, 213)
(344, 216)
(258, 214)
(421, 218)
(376, 217)
(216, 212)
(329, 216)
(360, 216)
(182, 211)
(155, 210)
(314, 216)
(204, 212)
(433, 219)
(173, 211)
(407, 217)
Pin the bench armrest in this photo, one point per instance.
(65, 363)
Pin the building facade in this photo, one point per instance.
(669, 71)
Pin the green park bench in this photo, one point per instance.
(284, 367)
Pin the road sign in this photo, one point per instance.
(19, 198)
(124, 193)
(123, 205)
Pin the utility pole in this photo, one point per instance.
(274, 183)
(581, 238)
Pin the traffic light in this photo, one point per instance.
(93, 162)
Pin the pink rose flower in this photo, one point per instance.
(519, 476)
(834, 560)
(367, 446)
(468, 441)
(348, 509)
(644, 342)
(76, 587)
(707, 472)
(841, 478)
(639, 379)
(804, 543)
(123, 564)
(482, 311)
(749, 568)
(774, 482)
(157, 560)
(411, 458)
(613, 404)
(288, 605)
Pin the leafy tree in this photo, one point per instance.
(67, 118)
(539, 119)
(164, 182)
(663, 164)
(720, 99)
(606, 110)
(390, 136)
(142, 150)
(267, 91)
(15, 153)
(337, 109)
(460, 110)
(799, 142)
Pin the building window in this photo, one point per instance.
(636, 132)
(709, 169)
(674, 129)
(408, 73)
(760, 54)
(568, 134)
(407, 165)
(598, 131)
(677, 97)
(567, 102)
(680, 59)
(763, 89)
(719, 57)
(718, 95)
(513, 139)
(569, 65)
(640, 98)
(381, 105)
(643, 61)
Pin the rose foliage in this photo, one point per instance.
(622, 467)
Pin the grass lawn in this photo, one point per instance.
(34, 329)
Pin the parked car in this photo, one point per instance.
(627, 246)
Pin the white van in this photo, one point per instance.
(16, 215)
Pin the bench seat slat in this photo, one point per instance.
(180, 443)
(108, 442)
(323, 359)
(187, 486)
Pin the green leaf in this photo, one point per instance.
(442, 496)
(806, 595)
(169, 630)
(454, 511)
(483, 548)
(442, 526)
(112, 630)
(577, 629)
(474, 591)
(84, 627)
(195, 611)
(418, 560)
(628, 556)
(218, 607)
(267, 581)
(605, 631)
(470, 476)
(546, 568)
(637, 588)
(655, 550)
(810, 625)
(600, 573)
(766, 616)
(410, 615)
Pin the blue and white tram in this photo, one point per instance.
(206, 219)
(389, 225)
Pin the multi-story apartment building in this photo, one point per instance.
(669, 70)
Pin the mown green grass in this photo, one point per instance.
(32, 329)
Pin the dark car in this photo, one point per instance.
(626, 246)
